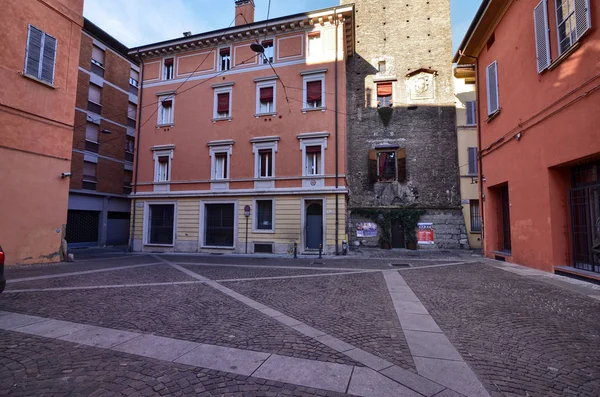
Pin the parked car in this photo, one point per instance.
(2, 279)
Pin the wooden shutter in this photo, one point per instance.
(169, 62)
(49, 55)
(34, 50)
(401, 160)
(472, 160)
(95, 93)
(91, 132)
(471, 113)
(223, 102)
(384, 89)
(542, 36)
(583, 20)
(266, 94)
(492, 88)
(372, 166)
(313, 91)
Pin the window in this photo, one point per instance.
(471, 113)
(384, 94)
(573, 19)
(94, 98)
(475, 216)
(492, 88)
(131, 114)
(168, 69)
(381, 67)
(266, 100)
(221, 165)
(222, 105)
(265, 163)
(127, 179)
(387, 165)
(161, 224)
(165, 110)
(134, 78)
(91, 137)
(40, 55)
(314, 95)
(313, 160)
(163, 164)
(472, 160)
(219, 225)
(97, 61)
(269, 51)
(263, 211)
(89, 175)
(314, 44)
(542, 36)
(129, 148)
(225, 58)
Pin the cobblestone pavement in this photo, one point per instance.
(521, 336)
(350, 307)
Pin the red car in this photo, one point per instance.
(2, 279)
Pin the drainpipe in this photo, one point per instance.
(137, 152)
(337, 220)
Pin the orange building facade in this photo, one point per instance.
(538, 77)
(242, 151)
(38, 76)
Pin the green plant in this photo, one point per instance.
(408, 218)
(385, 114)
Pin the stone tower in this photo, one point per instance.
(402, 146)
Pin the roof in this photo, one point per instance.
(249, 30)
(112, 43)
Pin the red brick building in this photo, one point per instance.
(103, 141)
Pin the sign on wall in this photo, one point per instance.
(425, 234)
(366, 229)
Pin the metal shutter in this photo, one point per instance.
(542, 37)
(472, 160)
(34, 49)
(471, 113)
(492, 88)
(582, 17)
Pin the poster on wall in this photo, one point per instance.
(425, 233)
(366, 229)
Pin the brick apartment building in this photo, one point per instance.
(103, 141)
(38, 69)
(233, 138)
(402, 125)
(538, 86)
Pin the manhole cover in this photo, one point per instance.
(400, 264)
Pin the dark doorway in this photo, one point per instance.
(82, 227)
(505, 244)
(314, 224)
(397, 235)
(219, 225)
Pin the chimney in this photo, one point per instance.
(245, 8)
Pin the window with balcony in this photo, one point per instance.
(97, 66)
(40, 57)
(163, 169)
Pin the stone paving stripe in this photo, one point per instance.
(431, 344)
(404, 296)
(104, 258)
(298, 371)
(52, 328)
(19, 280)
(410, 307)
(14, 291)
(188, 272)
(271, 312)
(287, 320)
(440, 265)
(289, 267)
(368, 359)
(295, 276)
(157, 347)
(309, 331)
(368, 383)
(456, 375)
(15, 320)
(243, 362)
(100, 337)
(418, 322)
(335, 343)
(449, 393)
(413, 381)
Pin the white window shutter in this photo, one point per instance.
(48, 59)
(583, 20)
(492, 88)
(34, 50)
(542, 36)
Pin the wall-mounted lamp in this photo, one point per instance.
(65, 175)
(518, 136)
(105, 131)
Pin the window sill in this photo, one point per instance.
(564, 56)
(493, 115)
(467, 126)
(305, 176)
(475, 232)
(88, 181)
(221, 119)
(322, 109)
(158, 245)
(161, 182)
(165, 125)
(257, 115)
(217, 247)
(38, 80)
(264, 178)
(263, 231)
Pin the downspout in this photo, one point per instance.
(337, 220)
(137, 152)
(479, 157)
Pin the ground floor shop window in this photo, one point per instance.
(219, 225)
(161, 223)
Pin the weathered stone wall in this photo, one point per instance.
(413, 37)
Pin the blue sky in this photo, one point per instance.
(162, 20)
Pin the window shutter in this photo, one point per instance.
(95, 93)
(313, 91)
(384, 89)
(131, 110)
(169, 62)
(167, 103)
(98, 54)
(372, 166)
(472, 161)
(492, 88)
(134, 75)
(34, 49)
(223, 103)
(471, 113)
(583, 18)
(266, 94)
(313, 149)
(224, 51)
(91, 132)
(542, 36)
(401, 159)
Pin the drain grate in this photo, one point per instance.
(400, 264)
